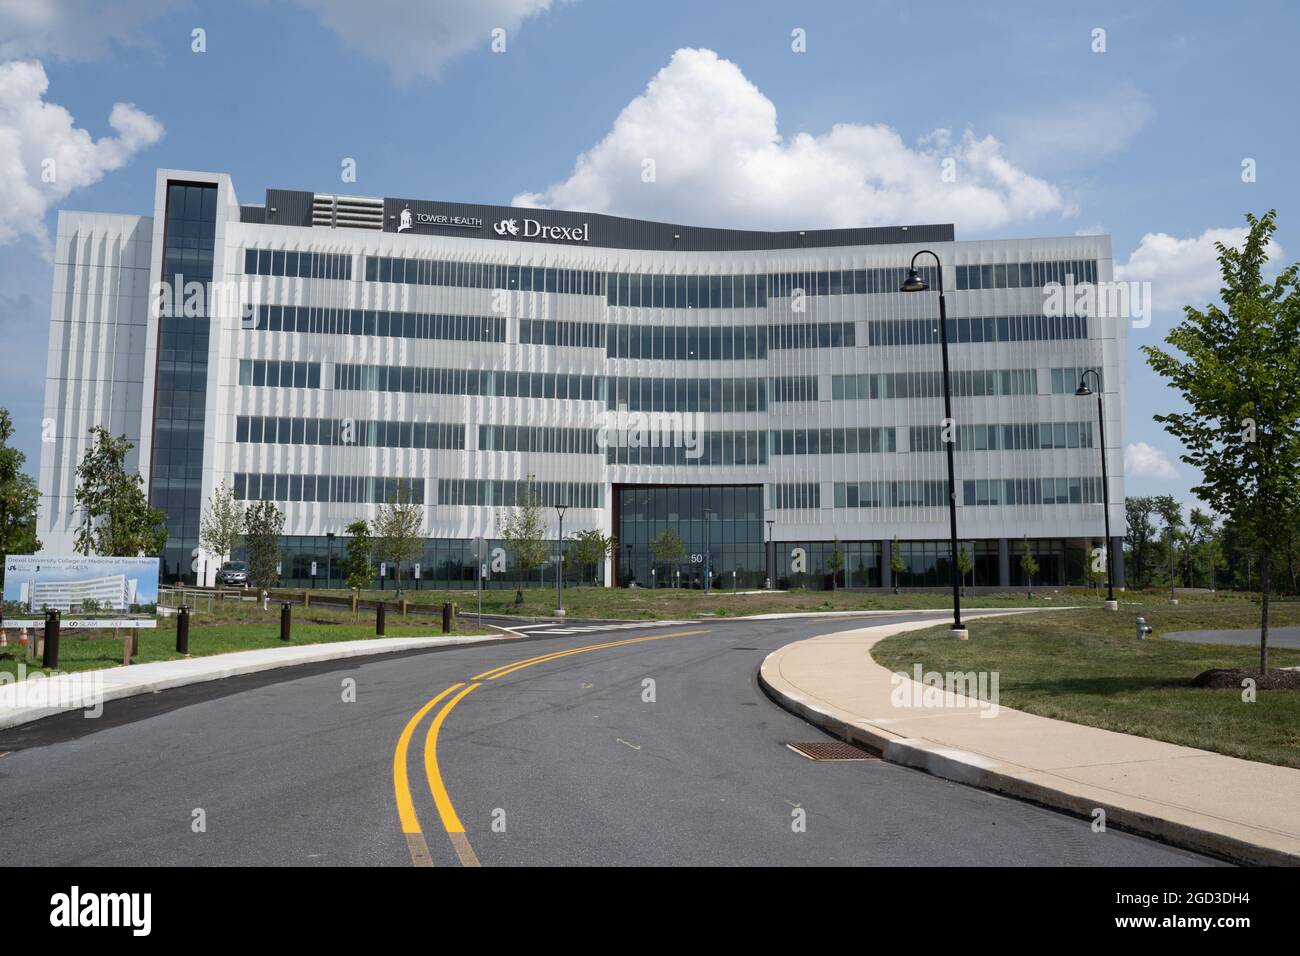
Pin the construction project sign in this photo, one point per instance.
(87, 591)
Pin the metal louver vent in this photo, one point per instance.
(350, 212)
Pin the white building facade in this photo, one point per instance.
(111, 592)
(353, 349)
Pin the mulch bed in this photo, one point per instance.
(1220, 677)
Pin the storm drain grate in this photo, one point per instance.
(832, 750)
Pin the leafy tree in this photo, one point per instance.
(222, 524)
(589, 549)
(896, 563)
(835, 563)
(669, 548)
(116, 518)
(1238, 556)
(524, 533)
(1029, 565)
(965, 565)
(19, 497)
(1238, 381)
(398, 530)
(1138, 511)
(357, 567)
(263, 525)
(1289, 550)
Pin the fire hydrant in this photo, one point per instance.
(1143, 629)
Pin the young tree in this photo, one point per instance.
(263, 525)
(222, 524)
(116, 519)
(1029, 565)
(19, 497)
(589, 549)
(358, 569)
(965, 565)
(398, 530)
(1238, 381)
(1141, 532)
(835, 563)
(1208, 554)
(1094, 567)
(669, 548)
(524, 533)
(1171, 513)
(896, 563)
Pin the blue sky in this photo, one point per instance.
(1144, 141)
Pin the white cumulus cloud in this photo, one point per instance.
(73, 29)
(719, 159)
(417, 38)
(1146, 461)
(44, 156)
(1183, 271)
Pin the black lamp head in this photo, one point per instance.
(1083, 391)
(914, 282)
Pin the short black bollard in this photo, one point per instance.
(183, 630)
(379, 619)
(284, 621)
(51, 656)
(446, 618)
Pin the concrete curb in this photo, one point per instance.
(975, 770)
(966, 612)
(116, 683)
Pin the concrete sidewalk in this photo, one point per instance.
(37, 697)
(1236, 809)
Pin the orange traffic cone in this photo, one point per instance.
(4, 637)
(22, 638)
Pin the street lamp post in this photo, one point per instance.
(770, 550)
(914, 283)
(1083, 391)
(329, 558)
(559, 563)
(708, 547)
(629, 565)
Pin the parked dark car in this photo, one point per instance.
(233, 574)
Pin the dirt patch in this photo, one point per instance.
(1219, 678)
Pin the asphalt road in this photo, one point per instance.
(561, 762)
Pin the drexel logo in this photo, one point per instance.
(532, 229)
(103, 909)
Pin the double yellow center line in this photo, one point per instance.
(453, 695)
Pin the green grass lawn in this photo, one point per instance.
(672, 604)
(1087, 666)
(233, 626)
